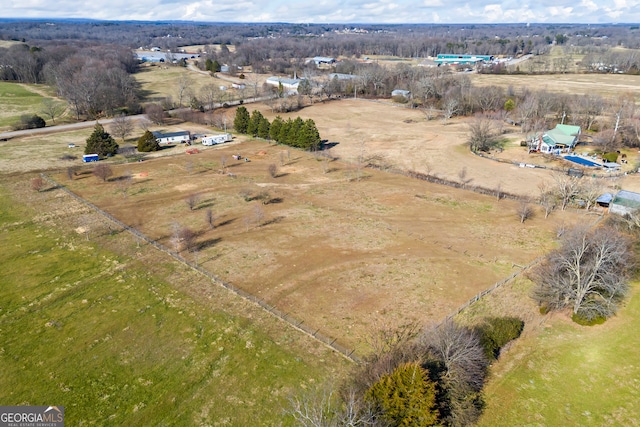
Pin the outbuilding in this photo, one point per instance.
(625, 202)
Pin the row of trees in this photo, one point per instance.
(414, 378)
(293, 132)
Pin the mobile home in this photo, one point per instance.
(216, 139)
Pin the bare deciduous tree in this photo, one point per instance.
(547, 198)
(188, 239)
(124, 183)
(192, 200)
(588, 273)
(567, 187)
(71, 172)
(464, 177)
(210, 218)
(37, 183)
(590, 190)
(258, 214)
(103, 171)
(273, 170)
(155, 113)
(525, 211)
(121, 126)
(482, 135)
(52, 109)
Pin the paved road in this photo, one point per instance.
(61, 128)
(82, 125)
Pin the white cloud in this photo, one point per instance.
(336, 11)
(589, 5)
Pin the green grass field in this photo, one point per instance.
(569, 375)
(17, 100)
(104, 336)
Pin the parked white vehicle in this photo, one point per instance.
(216, 139)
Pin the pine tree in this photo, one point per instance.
(101, 143)
(283, 135)
(263, 128)
(309, 136)
(254, 123)
(274, 129)
(406, 397)
(241, 121)
(148, 142)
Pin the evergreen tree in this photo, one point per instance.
(406, 397)
(254, 123)
(309, 136)
(294, 133)
(148, 142)
(263, 128)
(101, 143)
(283, 135)
(241, 121)
(215, 67)
(274, 129)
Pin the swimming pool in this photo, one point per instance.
(582, 161)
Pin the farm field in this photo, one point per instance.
(120, 334)
(342, 250)
(605, 85)
(347, 250)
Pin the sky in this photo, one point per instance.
(335, 11)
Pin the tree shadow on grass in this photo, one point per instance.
(226, 222)
(208, 243)
(272, 221)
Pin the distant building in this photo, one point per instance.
(323, 60)
(454, 59)
(401, 92)
(341, 76)
(290, 85)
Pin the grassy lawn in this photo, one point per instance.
(16, 100)
(105, 336)
(570, 375)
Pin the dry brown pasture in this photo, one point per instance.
(342, 249)
(606, 85)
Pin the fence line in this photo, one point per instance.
(295, 323)
(495, 286)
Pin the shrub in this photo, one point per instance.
(496, 332)
(583, 320)
(30, 122)
(610, 157)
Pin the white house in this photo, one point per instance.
(561, 138)
(291, 85)
(173, 137)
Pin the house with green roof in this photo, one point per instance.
(563, 138)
